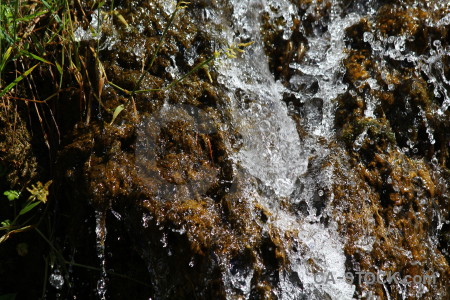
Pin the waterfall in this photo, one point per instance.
(272, 155)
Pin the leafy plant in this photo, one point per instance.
(38, 195)
(12, 195)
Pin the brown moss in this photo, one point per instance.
(399, 181)
(394, 20)
(18, 164)
(358, 67)
(169, 175)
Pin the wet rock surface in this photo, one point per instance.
(185, 212)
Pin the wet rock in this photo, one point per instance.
(166, 166)
(388, 126)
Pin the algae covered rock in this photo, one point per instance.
(392, 122)
(184, 180)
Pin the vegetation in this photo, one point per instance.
(41, 64)
(38, 194)
(29, 31)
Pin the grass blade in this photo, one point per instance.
(28, 207)
(17, 80)
(195, 69)
(180, 5)
(29, 54)
(8, 234)
(31, 17)
(5, 58)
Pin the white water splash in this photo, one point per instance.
(271, 148)
(272, 152)
(323, 65)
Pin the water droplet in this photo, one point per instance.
(434, 161)
(56, 280)
(437, 44)
(377, 46)
(116, 214)
(368, 37)
(164, 240)
(145, 219)
(101, 288)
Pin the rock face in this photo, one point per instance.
(322, 150)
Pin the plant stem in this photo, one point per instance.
(195, 69)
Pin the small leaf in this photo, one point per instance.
(100, 5)
(5, 58)
(29, 54)
(117, 111)
(12, 195)
(121, 19)
(206, 68)
(6, 223)
(6, 35)
(28, 207)
(243, 45)
(60, 69)
(183, 4)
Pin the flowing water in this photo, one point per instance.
(282, 166)
(290, 151)
(273, 155)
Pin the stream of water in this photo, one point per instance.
(273, 154)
